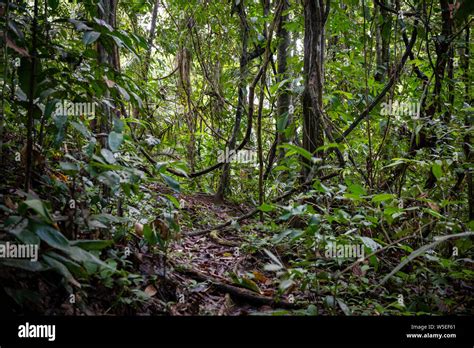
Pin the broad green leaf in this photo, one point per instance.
(382, 197)
(265, 207)
(115, 140)
(39, 207)
(61, 269)
(298, 150)
(171, 182)
(69, 167)
(51, 236)
(90, 37)
(437, 170)
(108, 156)
(27, 265)
(92, 244)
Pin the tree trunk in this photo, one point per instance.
(31, 94)
(442, 45)
(383, 28)
(283, 100)
(314, 21)
(467, 138)
(225, 176)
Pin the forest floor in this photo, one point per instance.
(207, 269)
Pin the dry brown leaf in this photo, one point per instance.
(23, 52)
(259, 277)
(150, 290)
(356, 270)
(433, 206)
(139, 229)
(9, 203)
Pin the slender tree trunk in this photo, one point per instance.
(314, 21)
(184, 68)
(283, 100)
(5, 10)
(31, 95)
(151, 38)
(383, 28)
(225, 176)
(107, 12)
(442, 45)
(469, 154)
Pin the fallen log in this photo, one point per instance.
(241, 293)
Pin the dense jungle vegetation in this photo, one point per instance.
(236, 157)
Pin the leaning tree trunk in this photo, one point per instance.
(314, 21)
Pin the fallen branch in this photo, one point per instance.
(239, 292)
(215, 237)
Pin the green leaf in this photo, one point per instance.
(38, 206)
(296, 149)
(115, 140)
(26, 265)
(437, 170)
(61, 269)
(92, 244)
(282, 122)
(245, 283)
(90, 37)
(382, 197)
(150, 235)
(108, 156)
(85, 257)
(75, 268)
(265, 207)
(357, 189)
(171, 182)
(23, 296)
(51, 236)
(69, 167)
(173, 200)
